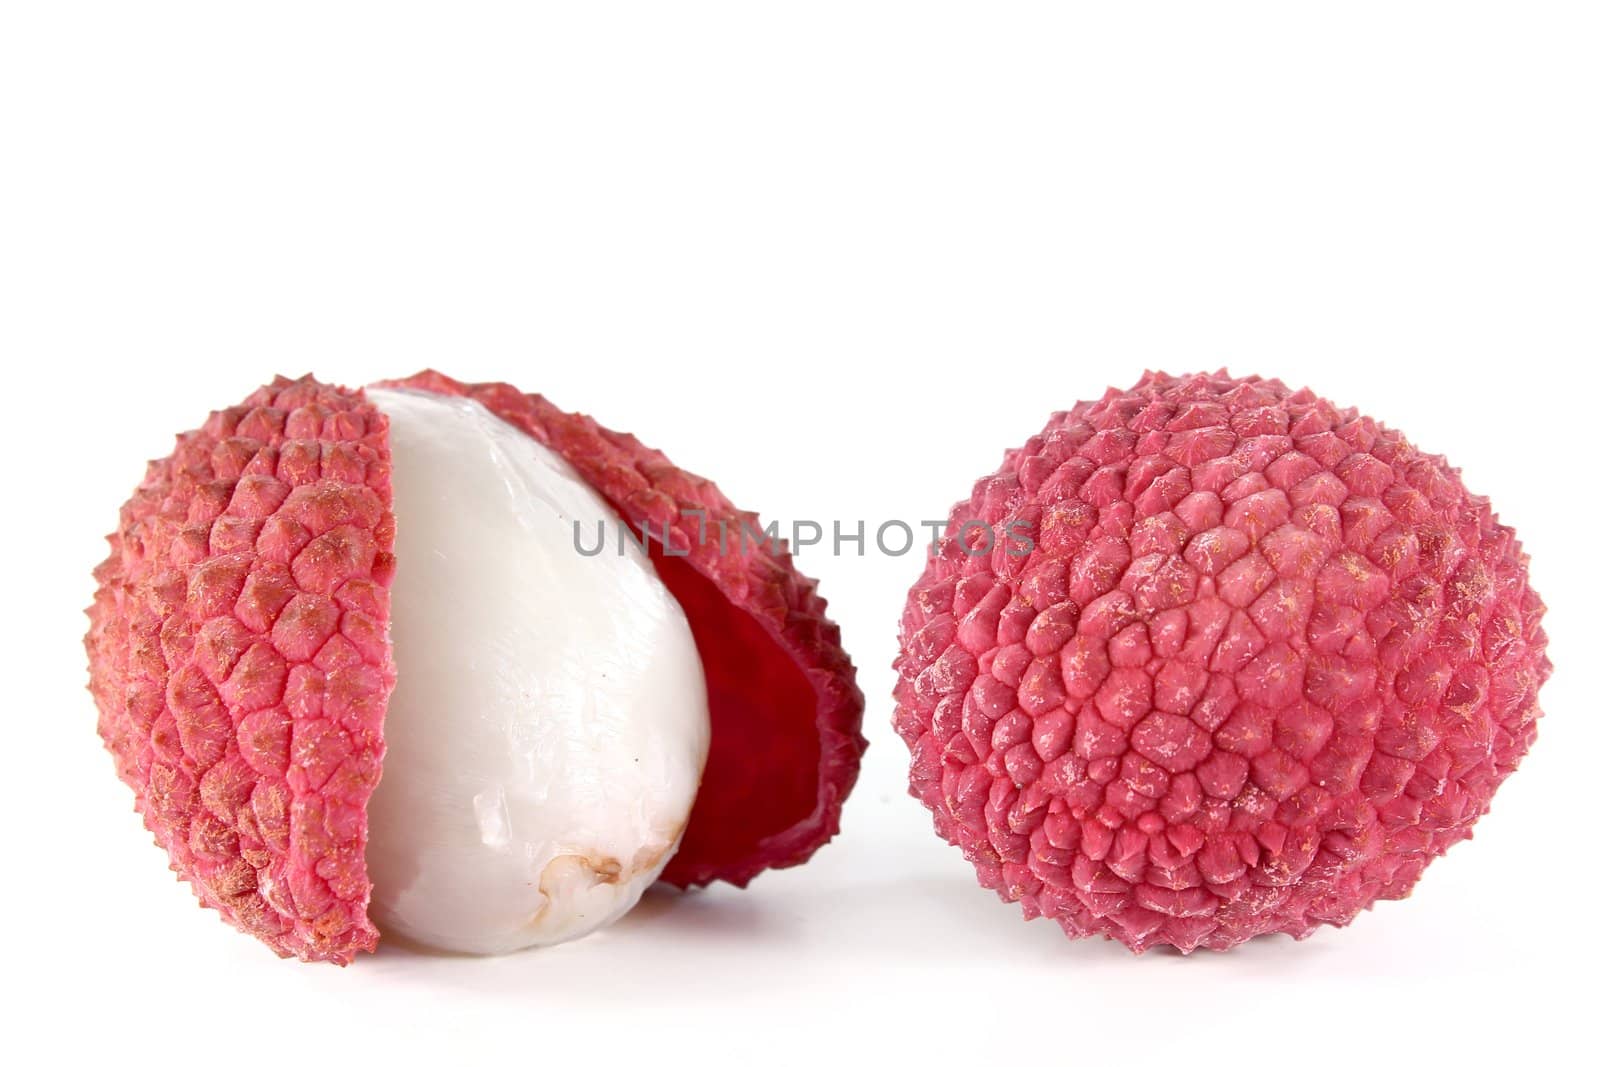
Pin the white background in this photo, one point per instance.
(838, 256)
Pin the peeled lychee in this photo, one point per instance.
(550, 712)
(1209, 659)
(360, 678)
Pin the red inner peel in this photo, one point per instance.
(762, 706)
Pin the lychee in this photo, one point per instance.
(360, 676)
(1211, 658)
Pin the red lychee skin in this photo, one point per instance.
(1266, 662)
(239, 655)
(786, 739)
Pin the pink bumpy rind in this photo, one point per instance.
(1265, 662)
(238, 653)
(786, 713)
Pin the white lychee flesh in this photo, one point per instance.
(548, 726)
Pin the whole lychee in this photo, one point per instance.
(364, 666)
(1211, 658)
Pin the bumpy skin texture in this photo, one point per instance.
(1266, 662)
(786, 739)
(239, 656)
